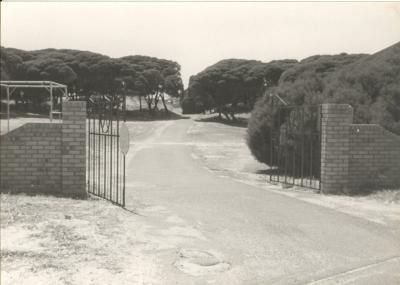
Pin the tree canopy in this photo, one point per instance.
(86, 72)
(230, 84)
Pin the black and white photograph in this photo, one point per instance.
(199, 142)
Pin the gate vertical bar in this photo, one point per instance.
(110, 150)
(104, 135)
(272, 131)
(8, 109)
(88, 154)
(123, 186)
(99, 159)
(123, 193)
(311, 138)
(94, 153)
(279, 157)
(118, 154)
(320, 146)
(302, 146)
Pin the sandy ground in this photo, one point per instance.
(198, 213)
(47, 240)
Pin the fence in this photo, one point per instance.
(319, 147)
(295, 146)
(105, 160)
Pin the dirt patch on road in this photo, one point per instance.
(197, 262)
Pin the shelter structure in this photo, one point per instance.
(50, 86)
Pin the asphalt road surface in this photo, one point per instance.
(226, 232)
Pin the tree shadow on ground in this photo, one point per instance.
(160, 115)
(267, 171)
(239, 122)
(17, 115)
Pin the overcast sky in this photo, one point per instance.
(199, 34)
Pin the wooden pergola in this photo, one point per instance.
(11, 86)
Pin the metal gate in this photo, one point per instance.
(295, 146)
(106, 162)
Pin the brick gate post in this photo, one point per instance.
(335, 147)
(74, 148)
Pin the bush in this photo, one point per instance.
(259, 130)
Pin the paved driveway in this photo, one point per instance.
(226, 232)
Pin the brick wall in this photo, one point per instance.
(335, 143)
(45, 157)
(374, 158)
(30, 158)
(74, 148)
(356, 158)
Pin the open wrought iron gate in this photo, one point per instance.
(105, 161)
(295, 146)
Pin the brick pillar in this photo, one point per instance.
(335, 147)
(74, 148)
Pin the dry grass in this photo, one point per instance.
(49, 240)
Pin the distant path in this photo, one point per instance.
(266, 237)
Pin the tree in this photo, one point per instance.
(150, 83)
(231, 85)
(87, 72)
(154, 79)
(369, 83)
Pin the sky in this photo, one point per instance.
(198, 34)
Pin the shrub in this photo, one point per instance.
(259, 130)
(369, 83)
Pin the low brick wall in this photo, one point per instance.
(374, 159)
(356, 158)
(30, 158)
(46, 157)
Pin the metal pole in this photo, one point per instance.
(272, 132)
(123, 189)
(8, 109)
(65, 95)
(111, 154)
(51, 103)
(320, 145)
